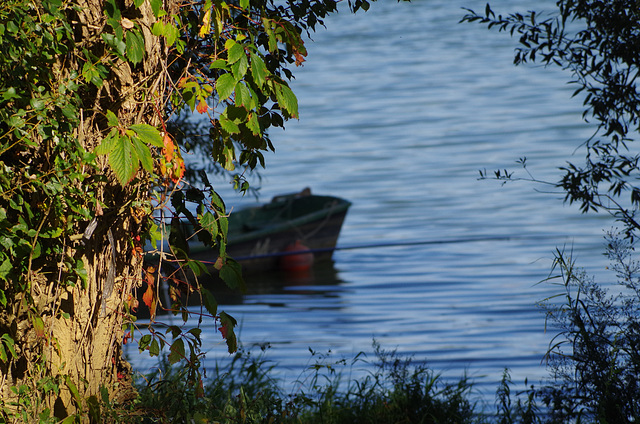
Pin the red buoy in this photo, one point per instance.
(300, 259)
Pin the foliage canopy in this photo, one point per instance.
(597, 42)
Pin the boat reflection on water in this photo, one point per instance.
(320, 278)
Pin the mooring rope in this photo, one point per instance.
(392, 244)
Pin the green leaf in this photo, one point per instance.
(148, 134)
(156, 7)
(230, 127)
(243, 96)
(217, 202)
(287, 100)
(154, 348)
(171, 33)
(225, 84)
(135, 46)
(143, 153)
(176, 351)
(240, 67)
(258, 70)
(144, 342)
(115, 43)
(234, 51)
(253, 124)
(5, 269)
(37, 103)
(112, 119)
(197, 267)
(123, 160)
(209, 223)
(108, 143)
(158, 28)
(228, 323)
(74, 391)
(138, 3)
(224, 225)
(216, 64)
(3, 298)
(81, 272)
(209, 301)
(231, 274)
(8, 341)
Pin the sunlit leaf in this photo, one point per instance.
(287, 100)
(225, 85)
(148, 134)
(123, 160)
(143, 153)
(135, 46)
(258, 70)
(206, 23)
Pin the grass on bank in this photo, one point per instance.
(396, 391)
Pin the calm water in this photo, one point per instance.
(400, 107)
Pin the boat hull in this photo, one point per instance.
(259, 237)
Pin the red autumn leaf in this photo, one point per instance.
(178, 169)
(149, 299)
(169, 148)
(227, 322)
(202, 106)
(299, 58)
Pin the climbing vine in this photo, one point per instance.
(92, 94)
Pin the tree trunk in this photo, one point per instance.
(69, 336)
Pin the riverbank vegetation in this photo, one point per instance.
(593, 362)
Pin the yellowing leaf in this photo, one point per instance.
(206, 24)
